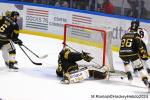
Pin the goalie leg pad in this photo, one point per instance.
(97, 74)
(77, 76)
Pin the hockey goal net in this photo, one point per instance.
(97, 42)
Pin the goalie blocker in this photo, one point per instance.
(72, 73)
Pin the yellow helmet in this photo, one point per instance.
(8, 13)
(66, 49)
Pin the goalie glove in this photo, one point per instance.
(86, 56)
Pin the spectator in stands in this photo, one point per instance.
(91, 5)
(84, 4)
(81, 4)
(76, 4)
(99, 5)
(133, 12)
(62, 3)
(107, 7)
(143, 10)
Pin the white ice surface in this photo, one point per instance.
(40, 82)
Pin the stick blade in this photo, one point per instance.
(42, 57)
(37, 63)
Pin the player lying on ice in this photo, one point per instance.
(72, 72)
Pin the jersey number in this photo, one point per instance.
(3, 27)
(126, 43)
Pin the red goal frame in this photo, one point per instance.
(103, 31)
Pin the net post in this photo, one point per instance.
(104, 50)
(65, 31)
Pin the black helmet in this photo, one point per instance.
(14, 13)
(134, 25)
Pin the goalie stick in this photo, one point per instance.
(29, 57)
(40, 57)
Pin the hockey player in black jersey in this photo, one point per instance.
(71, 71)
(144, 36)
(130, 49)
(9, 32)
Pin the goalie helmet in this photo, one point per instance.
(134, 25)
(66, 50)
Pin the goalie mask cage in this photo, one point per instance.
(97, 42)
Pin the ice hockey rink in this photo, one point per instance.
(34, 82)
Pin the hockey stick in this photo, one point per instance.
(40, 57)
(29, 57)
(70, 47)
(79, 52)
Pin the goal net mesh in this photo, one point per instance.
(97, 42)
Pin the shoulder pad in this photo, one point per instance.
(137, 36)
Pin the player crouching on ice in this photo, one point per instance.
(72, 73)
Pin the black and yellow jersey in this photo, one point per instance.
(67, 60)
(9, 29)
(131, 44)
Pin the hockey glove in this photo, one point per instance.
(86, 56)
(143, 54)
(18, 41)
(144, 57)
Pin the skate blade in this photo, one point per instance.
(13, 70)
(64, 82)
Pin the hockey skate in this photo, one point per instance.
(149, 87)
(65, 80)
(11, 66)
(145, 80)
(148, 71)
(129, 76)
(135, 71)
